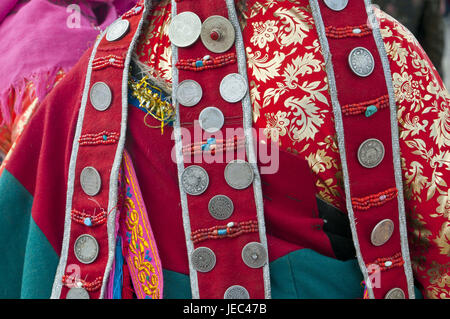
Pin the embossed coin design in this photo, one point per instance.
(239, 174)
(194, 180)
(236, 292)
(185, 28)
(117, 30)
(361, 61)
(217, 34)
(370, 153)
(100, 96)
(254, 255)
(90, 181)
(220, 207)
(77, 293)
(203, 259)
(211, 119)
(233, 87)
(382, 232)
(86, 249)
(336, 5)
(395, 293)
(189, 93)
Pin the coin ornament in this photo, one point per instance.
(217, 34)
(236, 292)
(211, 119)
(254, 255)
(233, 87)
(189, 93)
(220, 207)
(361, 61)
(336, 5)
(395, 293)
(100, 96)
(194, 180)
(90, 181)
(185, 28)
(203, 259)
(86, 249)
(382, 232)
(371, 153)
(77, 293)
(117, 30)
(239, 174)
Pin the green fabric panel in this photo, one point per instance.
(176, 285)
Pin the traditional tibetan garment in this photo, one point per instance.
(336, 186)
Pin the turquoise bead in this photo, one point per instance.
(371, 110)
(88, 222)
(199, 63)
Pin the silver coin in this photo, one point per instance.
(220, 207)
(189, 93)
(336, 5)
(194, 180)
(100, 96)
(217, 34)
(117, 30)
(233, 87)
(254, 255)
(90, 181)
(382, 232)
(371, 153)
(203, 259)
(239, 174)
(77, 293)
(236, 292)
(185, 29)
(211, 119)
(361, 61)
(395, 293)
(86, 249)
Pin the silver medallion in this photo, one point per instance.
(220, 207)
(90, 181)
(86, 249)
(370, 153)
(236, 292)
(211, 119)
(194, 180)
(336, 5)
(217, 34)
(189, 93)
(395, 293)
(117, 30)
(203, 259)
(233, 87)
(382, 232)
(254, 255)
(239, 174)
(185, 29)
(100, 96)
(77, 293)
(361, 61)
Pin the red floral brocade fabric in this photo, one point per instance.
(291, 103)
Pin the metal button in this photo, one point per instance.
(185, 29)
(233, 87)
(77, 293)
(100, 96)
(382, 232)
(236, 292)
(361, 61)
(217, 34)
(336, 5)
(211, 119)
(90, 181)
(395, 293)
(254, 255)
(194, 180)
(189, 93)
(117, 30)
(86, 249)
(239, 174)
(203, 259)
(220, 207)
(370, 153)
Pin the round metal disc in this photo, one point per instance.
(233, 87)
(370, 153)
(189, 93)
(336, 5)
(90, 181)
(194, 180)
(382, 232)
(239, 174)
(361, 61)
(254, 255)
(211, 119)
(395, 293)
(100, 96)
(223, 28)
(236, 292)
(117, 30)
(220, 207)
(203, 259)
(86, 249)
(77, 293)
(185, 29)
